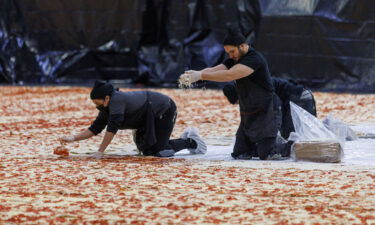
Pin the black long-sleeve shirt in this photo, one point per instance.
(127, 110)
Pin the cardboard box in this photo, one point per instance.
(317, 151)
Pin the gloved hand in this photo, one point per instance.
(67, 139)
(97, 155)
(190, 76)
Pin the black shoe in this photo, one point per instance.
(282, 149)
(165, 153)
(276, 157)
(243, 156)
(288, 148)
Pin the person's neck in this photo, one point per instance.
(247, 47)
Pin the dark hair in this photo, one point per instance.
(234, 37)
(101, 89)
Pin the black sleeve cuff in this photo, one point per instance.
(94, 131)
(230, 92)
(115, 122)
(112, 127)
(229, 63)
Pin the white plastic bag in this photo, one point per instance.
(340, 129)
(309, 129)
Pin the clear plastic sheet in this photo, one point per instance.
(308, 127)
(313, 140)
(340, 129)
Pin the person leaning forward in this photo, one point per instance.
(259, 106)
(151, 114)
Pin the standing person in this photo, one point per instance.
(259, 106)
(152, 114)
(287, 90)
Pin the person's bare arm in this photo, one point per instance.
(78, 137)
(86, 134)
(106, 141)
(236, 72)
(215, 68)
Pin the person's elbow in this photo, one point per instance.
(227, 77)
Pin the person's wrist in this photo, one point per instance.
(200, 75)
(70, 138)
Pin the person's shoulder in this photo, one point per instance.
(256, 54)
(117, 93)
(252, 59)
(118, 96)
(159, 94)
(279, 80)
(250, 55)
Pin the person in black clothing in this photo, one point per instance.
(287, 90)
(260, 108)
(152, 114)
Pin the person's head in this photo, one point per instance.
(236, 52)
(235, 44)
(100, 94)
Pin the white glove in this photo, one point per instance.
(97, 155)
(67, 139)
(190, 76)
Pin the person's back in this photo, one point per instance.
(285, 88)
(133, 101)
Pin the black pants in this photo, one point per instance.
(261, 149)
(163, 130)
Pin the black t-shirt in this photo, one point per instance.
(127, 109)
(253, 59)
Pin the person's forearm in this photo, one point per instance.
(83, 135)
(106, 141)
(218, 76)
(208, 70)
(214, 69)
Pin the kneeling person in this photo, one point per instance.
(259, 106)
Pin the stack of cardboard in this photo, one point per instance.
(318, 151)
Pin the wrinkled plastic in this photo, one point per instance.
(310, 130)
(308, 127)
(340, 129)
(53, 41)
(149, 42)
(182, 35)
(323, 44)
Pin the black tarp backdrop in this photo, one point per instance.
(327, 44)
(150, 41)
(49, 41)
